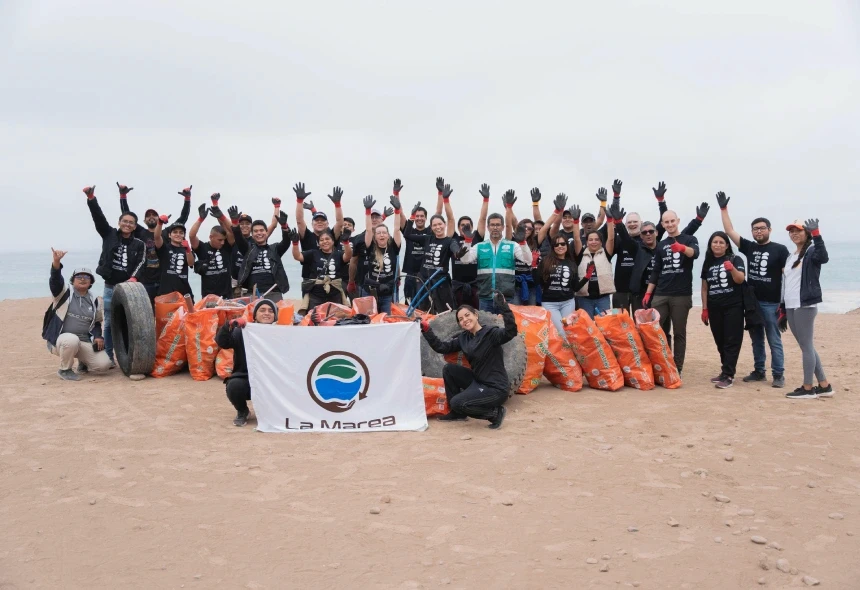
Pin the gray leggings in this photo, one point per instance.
(802, 324)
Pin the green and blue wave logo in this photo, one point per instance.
(336, 380)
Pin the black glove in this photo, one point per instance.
(216, 212)
(723, 200)
(388, 212)
(415, 209)
(233, 212)
(485, 191)
(395, 202)
(336, 195)
(535, 193)
(520, 233)
(203, 211)
(702, 211)
(616, 188)
(811, 226)
(466, 230)
(509, 198)
(440, 184)
(215, 197)
(575, 212)
(368, 202)
(294, 236)
(283, 218)
(616, 212)
(309, 205)
(276, 202)
(499, 300)
(398, 186)
(186, 192)
(201, 267)
(660, 191)
(299, 189)
(446, 191)
(124, 190)
(781, 318)
(345, 234)
(560, 202)
(601, 195)
(461, 252)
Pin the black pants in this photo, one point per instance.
(239, 392)
(467, 397)
(727, 326)
(621, 301)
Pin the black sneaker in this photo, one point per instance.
(801, 393)
(718, 378)
(778, 381)
(824, 391)
(241, 418)
(755, 376)
(68, 375)
(496, 422)
(451, 417)
(724, 383)
(82, 369)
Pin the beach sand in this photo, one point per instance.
(109, 483)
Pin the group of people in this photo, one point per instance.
(562, 263)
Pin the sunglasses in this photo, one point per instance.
(78, 277)
(560, 245)
(648, 232)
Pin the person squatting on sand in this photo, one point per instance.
(230, 337)
(479, 392)
(73, 322)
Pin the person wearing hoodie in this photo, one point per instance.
(73, 323)
(262, 268)
(230, 337)
(121, 259)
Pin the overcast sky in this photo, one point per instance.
(757, 98)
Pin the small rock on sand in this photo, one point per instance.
(375, 511)
(551, 467)
(762, 581)
(836, 515)
(729, 457)
(811, 484)
(764, 563)
(718, 539)
(758, 540)
(605, 557)
(746, 512)
(810, 581)
(93, 502)
(137, 377)
(591, 560)
(604, 567)
(507, 502)
(672, 522)
(774, 545)
(632, 529)
(783, 565)
(386, 499)
(722, 498)
(466, 437)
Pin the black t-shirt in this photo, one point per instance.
(562, 282)
(722, 289)
(151, 271)
(465, 272)
(673, 271)
(438, 253)
(262, 274)
(323, 265)
(174, 270)
(383, 269)
(525, 268)
(646, 274)
(119, 264)
(359, 252)
(239, 259)
(310, 241)
(216, 277)
(413, 257)
(567, 235)
(765, 271)
(625, 251)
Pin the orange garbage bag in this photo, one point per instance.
(379, 318)
(399, 309)
(200, 329)
(533, 327)
(208, 301)
(657, 346)
(224, 363)
(560, 367)
(458, 358)
(165, 305)
(435, 400)
(620, 332)
(598, 364)
(364, 305)
(170, 354)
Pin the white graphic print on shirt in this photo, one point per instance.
(120, 259)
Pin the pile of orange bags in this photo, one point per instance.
(620, 332)
(165, 305)
(593, 352)
(435, 400)
(561, 368)
(657, 346)
(533, 327)
(170, 354)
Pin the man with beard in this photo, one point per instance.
(213, 257)
(262, 268)
(152, 269)
(765, 260)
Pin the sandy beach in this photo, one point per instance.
(109, 483)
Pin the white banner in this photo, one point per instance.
(362, 378)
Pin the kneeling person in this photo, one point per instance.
(230, 337)
(74, 325)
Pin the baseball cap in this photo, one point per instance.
(796, 224)
(174, 226)
(376, 212)
(320, 215)
(246, 217)
(588, 216)
(148, 211)
(84, 271)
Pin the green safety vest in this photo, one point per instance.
(496, 269)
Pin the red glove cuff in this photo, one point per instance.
(446, 199)
(234, 222)
(660, 199)
(815, 233)
(576, 222)
(368, 212)
(300, 201)
(508, 205)
(467, 241)
(397, 211)
(337, 205)
(486, 199)
(412, 217)
(700, 219)
(558, 212)
(188, 198)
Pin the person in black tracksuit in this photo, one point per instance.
(479, 392)
(230, 337)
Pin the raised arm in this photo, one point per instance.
(224, 222)
(301, 195)
(695, 223)
(442, 347)
(440, 188)
(159, 238)
(509, 332)
(575, 212)
(202, 213)
(723, 202)
(297, 253)
(662, 207)
(449, 212)
(535, 194)
(819, 253)
(56, 281)
(551, 226)
(485, 208)
(347, 245)
(335, 196)
(276, 214)
(601, 213)
(123, 196)
(238, 238)
(395, 202)
(509, 198)
(102, 225)
(286, 235)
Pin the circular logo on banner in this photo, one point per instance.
(337, 379)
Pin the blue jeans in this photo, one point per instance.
(774, 338)
(107, 296)
(558, 310)
(488, 305)
(594, 306)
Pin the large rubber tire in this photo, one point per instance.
(133, 329)
(445, 326)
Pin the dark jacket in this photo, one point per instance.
(641, 260)
(111, 239)
(231, 339)
(810, 271)
(55, 315)
(249, 249)
(483, 350)
(152, 266)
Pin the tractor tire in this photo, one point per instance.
(133, 329)
(445, 327)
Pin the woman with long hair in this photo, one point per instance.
(723, 304)
(481, 391)
(326, 269)
(382, 252)
(558, 279)
(595, 296)
(526, 291)
(801, 294)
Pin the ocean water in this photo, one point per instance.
(25, 275)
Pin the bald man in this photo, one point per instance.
(671, 283)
